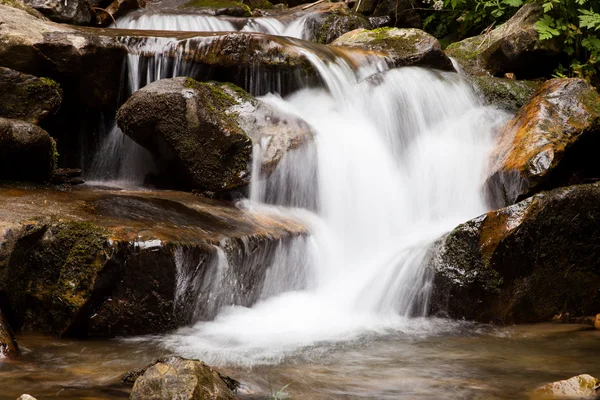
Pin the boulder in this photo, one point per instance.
(513, 47)
(76, 12)
(179, 378)
(328, 21)
(27, 152)
(580, 387)
(22, 6)
(403, 46)
(524, 263)
(549, 143)
(27, 97)
(203, 132)
(218, 7)
(26, 397)
(8, 344)
(85, 262)
(506, 94)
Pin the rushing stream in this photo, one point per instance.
(397, 161)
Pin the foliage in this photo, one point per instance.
(573, 24)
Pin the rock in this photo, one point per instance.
(203, 132)
(365, 7)
(506, 94)
(512, 47)
(8, 344)
(328, 21)
(85, 262)
(548, 143)
(67, 176)
(597, 321)
(106, 15)
(403, 46)
(523, 263)
(26, 397)
(219, 7)
(22, 6)
(580, 387)
(400, 13)
(178, 378)
(76, 12)
(27, 97)
(27, 152)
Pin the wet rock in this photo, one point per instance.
(512, 47)
(8, 343)
(27, 97)
(100, 263)
(27, 152)
(580, 387)
(506, 94)
(180, 378)
(523, 263)
(203, 132)
(218, 7)
(76, 12)
(26, 397)
(328, 21)
(548, 143)
(403, 46)
(106, 15)
(597, 321)
(67, 176)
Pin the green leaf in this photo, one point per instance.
(513, 3)
(545, 28)
(547, 7)
(589, 19)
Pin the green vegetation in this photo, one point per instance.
(219, 4)
(573, 24)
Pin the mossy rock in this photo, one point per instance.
(507, 94)
(27, 97)
(22, 6)
(27, 152)
(331, 20)
(219, 7)
(523, 263)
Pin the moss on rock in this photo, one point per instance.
(220, 7)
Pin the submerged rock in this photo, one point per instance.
(581, 387)
(513, 47)
(204, 132)
(27, 152)
(103, 263)
(75, 12)
(328, 21)
(507, 94)
(8, 344)
(523, 263)
(179, 378)
(403, 46)
(548, 143)
(27, 97)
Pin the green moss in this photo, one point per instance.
(218, 4)
(259, 4)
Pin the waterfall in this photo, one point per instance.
(398, 160)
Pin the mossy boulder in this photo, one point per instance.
(403, 46)
(20, 4)
(507, 94)
(75, 12)
(218, 7)
(27, 152)
(27, 97)
(513, 47)
(8, 344)
(328, 21)
(180, 378)
(203, 132)
(523, 263)
(551, 142)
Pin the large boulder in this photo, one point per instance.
(8, 344)
(514, 47)
(328, 21)
(27, 152)
(27, 97)
(203, 132)
(523, 263)
(549, 143)
(179, 378)
(578, 387)
(506, 94)
(403, 46)
(105, 263)
(75, 12)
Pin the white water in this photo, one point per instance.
(399, 160)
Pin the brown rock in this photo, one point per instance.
(8, 343)
(597, 321)
(579, 387)
(547, 144)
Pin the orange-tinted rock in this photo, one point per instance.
(578, 387)
(546, 144)
(524, 263)
(8, 344)
(597, 321)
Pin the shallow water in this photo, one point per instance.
(460, 361)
